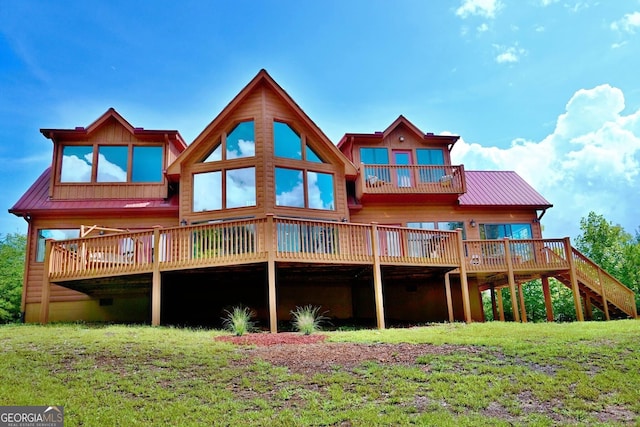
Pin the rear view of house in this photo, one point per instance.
(262, 209)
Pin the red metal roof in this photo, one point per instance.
(500, 188)
(36, 199)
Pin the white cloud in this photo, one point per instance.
(591, 162)
(483, 28)
(628, 23)
(509, 54)
(484, 8)
(545, 3)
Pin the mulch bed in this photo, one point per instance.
(268, 339)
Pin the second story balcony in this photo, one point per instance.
(429, 181)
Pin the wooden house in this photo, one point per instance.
(263, 210)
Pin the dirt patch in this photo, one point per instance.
(309, 354)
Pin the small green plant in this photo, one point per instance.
(307, 319)
(239, 320)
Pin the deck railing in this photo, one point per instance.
(409, 246)
(604, 284)
(411, 179)
(524, 254)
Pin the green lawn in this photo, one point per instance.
(493, 374)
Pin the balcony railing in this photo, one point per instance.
(411, 179)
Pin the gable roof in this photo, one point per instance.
(261, 78)
(111, 114)
(500, 188)
(345, 142)
(36, 199)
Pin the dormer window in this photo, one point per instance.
(112, 163)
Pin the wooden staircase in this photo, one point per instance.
(603, 290)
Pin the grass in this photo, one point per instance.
(493, 374)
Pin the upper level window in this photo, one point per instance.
(288, 143)
(238, 143)
(76, 163)
(374, 156)
(298, 189)
(430, 156)
(240, 185)
(115, 163)
(147, 164)
(241, 141)
(112, 163)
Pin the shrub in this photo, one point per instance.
(307, 319)
(239, 320)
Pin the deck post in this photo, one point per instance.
(547, 298)
(464, 282)
(512, 281)
(494, 307)
(46, 283)
(500, 304)
(377, 276)
(603, 292)
(523, 308)
(447, 290)
(156, 285)
(271, 273)
(588, 312)
(574, 280)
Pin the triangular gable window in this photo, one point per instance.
(215, 155)
(288, 143)
(312, 156)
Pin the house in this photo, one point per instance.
(262, 209)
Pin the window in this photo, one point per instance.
(76, 163)
(375, 156)
(147, 164)
(430, 157)
(115, 163)
(57, 234)
(500, 231)
(430, 245)
(289, 144)
(241, 141)
(240, 187)
(291, 190)
(207, 191)
(112, 163)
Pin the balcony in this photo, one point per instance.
(382, 182)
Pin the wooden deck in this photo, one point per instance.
(275, 239)
(410, 179)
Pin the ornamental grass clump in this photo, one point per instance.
(307, 319)
(239, 321)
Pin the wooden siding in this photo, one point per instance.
(403, 213)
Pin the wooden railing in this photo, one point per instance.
(409, 246)
(125, 253)
(524, 254)
(602, 283)
(411, 179)
(245, 241)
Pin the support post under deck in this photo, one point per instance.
(46, 284)
(377, 276)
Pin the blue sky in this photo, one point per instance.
(548, 88)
